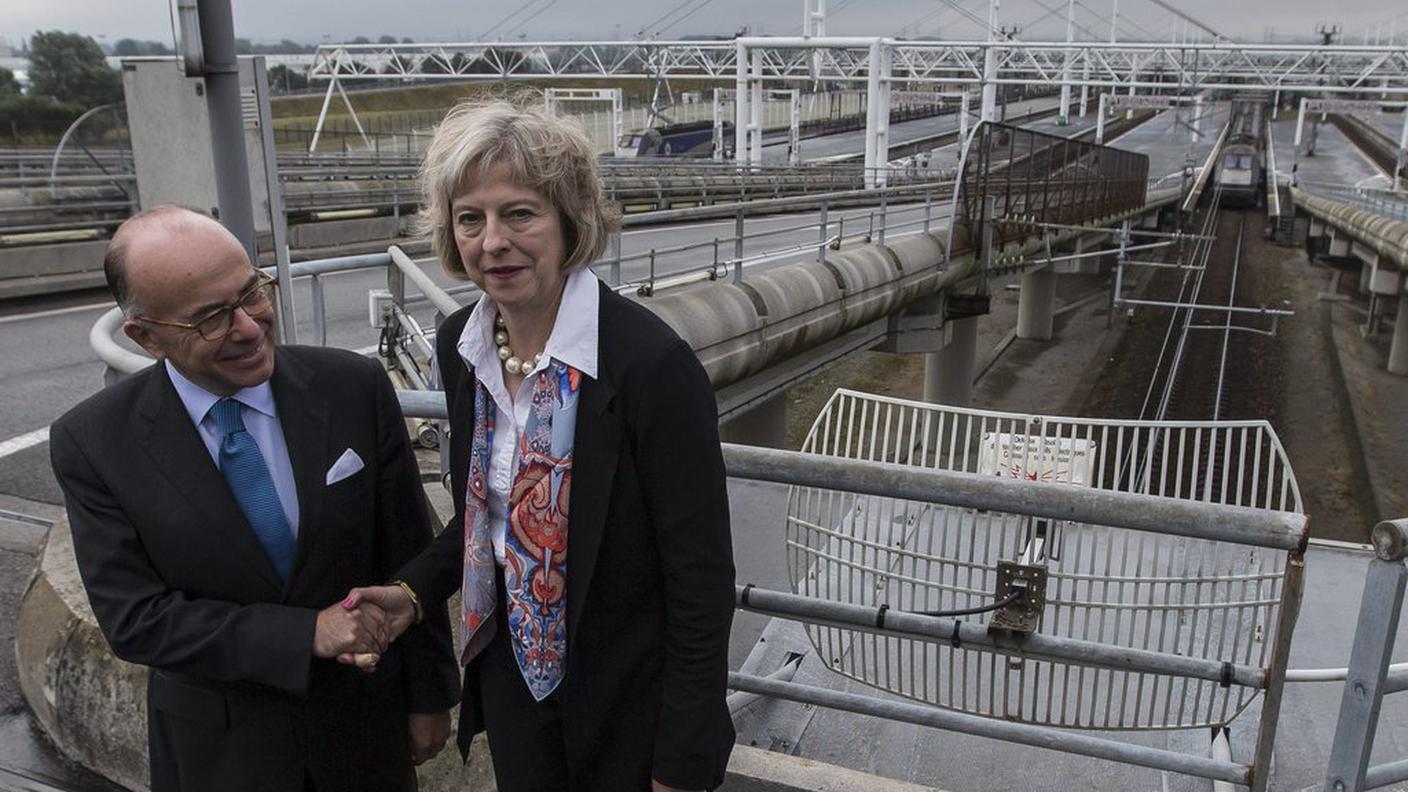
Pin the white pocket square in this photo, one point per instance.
(346, 465)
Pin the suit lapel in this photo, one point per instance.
(303, 416)
(595, 446)
(177, 450)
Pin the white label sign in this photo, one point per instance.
(1060, 460)
(1119, 102)
(1341, 106)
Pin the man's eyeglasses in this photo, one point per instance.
(256, 301)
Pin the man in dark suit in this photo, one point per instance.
(222, 501)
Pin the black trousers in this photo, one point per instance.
(530, 741)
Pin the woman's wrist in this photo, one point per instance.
(415, 600)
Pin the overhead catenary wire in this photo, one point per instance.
(1186, 18)
(505, 20)
(654, 27)
(687, 15)
(530, 18)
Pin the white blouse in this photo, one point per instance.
(573, 341)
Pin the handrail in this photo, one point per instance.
(438, 297)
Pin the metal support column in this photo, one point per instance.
(948, 373)
(278, 219)
(1398, 350)
(988, 109)
(1036, 305)
(963, 116)
(1379, 609)
(1402, 157)
(740, 106)
(718, 125)
(1065, 113)
(222, 88)
(1085, 78)
(756, 121)
(1100, 120)
(873, 110)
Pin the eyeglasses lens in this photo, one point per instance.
(256, 302)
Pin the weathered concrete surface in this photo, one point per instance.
(39, 269)
(755, 770)
(92, 705)
(339, 232)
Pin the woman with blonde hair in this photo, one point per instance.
(592, 550)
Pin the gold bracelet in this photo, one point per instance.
(410, 592)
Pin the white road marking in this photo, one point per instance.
(27, 440)
(55, 312)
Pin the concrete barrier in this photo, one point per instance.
(41, 269)
(93, 706)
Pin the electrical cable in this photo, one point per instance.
(530, 18)
(1012, 597)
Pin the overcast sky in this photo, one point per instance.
(466, 20)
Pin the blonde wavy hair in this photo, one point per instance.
(540, 151)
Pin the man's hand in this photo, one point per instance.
(656, 786)
(429, 732)
(399, 611)
(343, 630)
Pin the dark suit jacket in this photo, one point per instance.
(650, 574)
(179, 582)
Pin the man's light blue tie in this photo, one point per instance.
(253, 488)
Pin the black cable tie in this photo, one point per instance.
(1226, 681)
(743, 598)
(880, 616)
(955, 640)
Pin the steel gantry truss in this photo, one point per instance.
(759, 63)
(1186, 67)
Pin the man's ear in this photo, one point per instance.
(143, 338)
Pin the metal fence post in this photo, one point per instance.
(884, 195)
(616, 258)
(821, 246)
(320, 311)
(928, 208)
(738, 235)
(1379, 609)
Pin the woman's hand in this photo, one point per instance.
(400, 613)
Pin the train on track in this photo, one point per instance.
(1240, 173)
(693, 139)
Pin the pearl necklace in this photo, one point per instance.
(511, 362)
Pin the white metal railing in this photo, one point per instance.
(1191, 597)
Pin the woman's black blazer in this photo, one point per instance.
(650, 577)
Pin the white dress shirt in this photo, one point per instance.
(261, 421)
(573, 341)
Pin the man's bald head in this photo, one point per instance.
(156, 226)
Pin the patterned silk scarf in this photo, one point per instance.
(535, 542)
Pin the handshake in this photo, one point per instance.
(357, 630)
